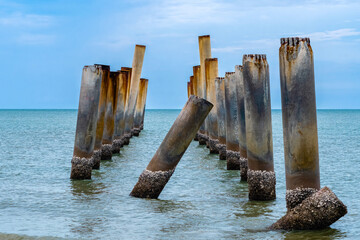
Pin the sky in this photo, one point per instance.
(45, 44)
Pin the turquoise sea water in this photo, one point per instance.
(201, 201)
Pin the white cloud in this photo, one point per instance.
(26, 20)
(34, 39)
(333, 35)
(227, 49)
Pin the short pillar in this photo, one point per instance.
(144, 105)
(139, 107)
(111, 100)
(242, 128)
(82, 162)
(188, 89)
(299, 119)
(154, 178)
(197, 88)
(221, 112)
(101, 115)
(261, 176)
(232, 122)
(211, 73)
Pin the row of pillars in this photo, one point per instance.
(239, 128)
(111, 111)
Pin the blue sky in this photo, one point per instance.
(44, 45)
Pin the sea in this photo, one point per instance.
(202, 200)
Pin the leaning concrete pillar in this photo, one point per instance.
(81, 163)
(242, 128)
(221, 112)
(205, 52)
(261, 175)
(119, 122)
(139, 107)
(232, 122)
(111, 100)
(299, 119)
(144, 105)
(134, 88)
(101, 115)
(211, 73)
(154, 178)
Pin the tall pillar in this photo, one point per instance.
(232, 122)
(242, 127)
(144, 105)
(211, 73)
(134, 88)
(154, 178)
(128, 70)
(81, 163)
(221, 112)
(197, 88)
(119, 123)
(139, 107)
(111, 100)
(261, 175)
(299, 119)
(101, 115)
(205, 52)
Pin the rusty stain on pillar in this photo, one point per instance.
(197, 88)
(211, 73)
(188, 89)
(119, 123)
(111, 101)
(139, 107)
(144, 105)
(191, 85)
(221, 112)
(154, 178)
(242, 129)
(128, 70)
(134, 88)
(232, 122)
(299, 119)
(82, 162)
(261, 176)
(205, 52)
(101, 115)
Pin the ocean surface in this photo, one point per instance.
(202, 200)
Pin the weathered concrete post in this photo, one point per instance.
(205, 52)
(191, 85)
(81, 163)
(198, 88)
(134, 88)
(144, 105)
(211, 73)
(188, 89)
(139, 107)
(119, 123)
(101, 115)
(128, 70)
(111, 101)
(154, 178)
(221, 112)
(242, 127)
(261, 176)
(299, 119)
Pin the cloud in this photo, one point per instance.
(34, 39)
(26, 20)
(227, 49)
(333, 35)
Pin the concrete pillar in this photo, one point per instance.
(128, 70)
(119, 122)
(134, 88)
(232, 122)
(81, 163)
(101, 115)
(139, 107)
(111, 101)
(211, 73)
(221, 112)
(205, 52)
(144, 105)
(191, 85)
(261, 175)
(154, 178)
(242, 128)
(197, 88)
(299, 119)
(188, 89)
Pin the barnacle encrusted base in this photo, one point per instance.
(202, 139)
(96, 158)
(196, 137)
(126, 139)
(222, 151)
(261, 185)
(116, 146)
(106, 152)
(81, 168)
(296, 196)
(243, 168)
(232, 160)
(150, 184)
(318, 211)
(136, 132)
(213, 145)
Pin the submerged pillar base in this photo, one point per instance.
(318, 211)
(232, 160)
(126, 139)
(261, 185)
(136, 132)
(106, 152)
(116, 146)
(81, 168)
(202, 139)
(222, 151)
(96, 158)
(296, 196)
(141, 126)
(150, 184)
(213, 146)
(196, 138)
(243, 168)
